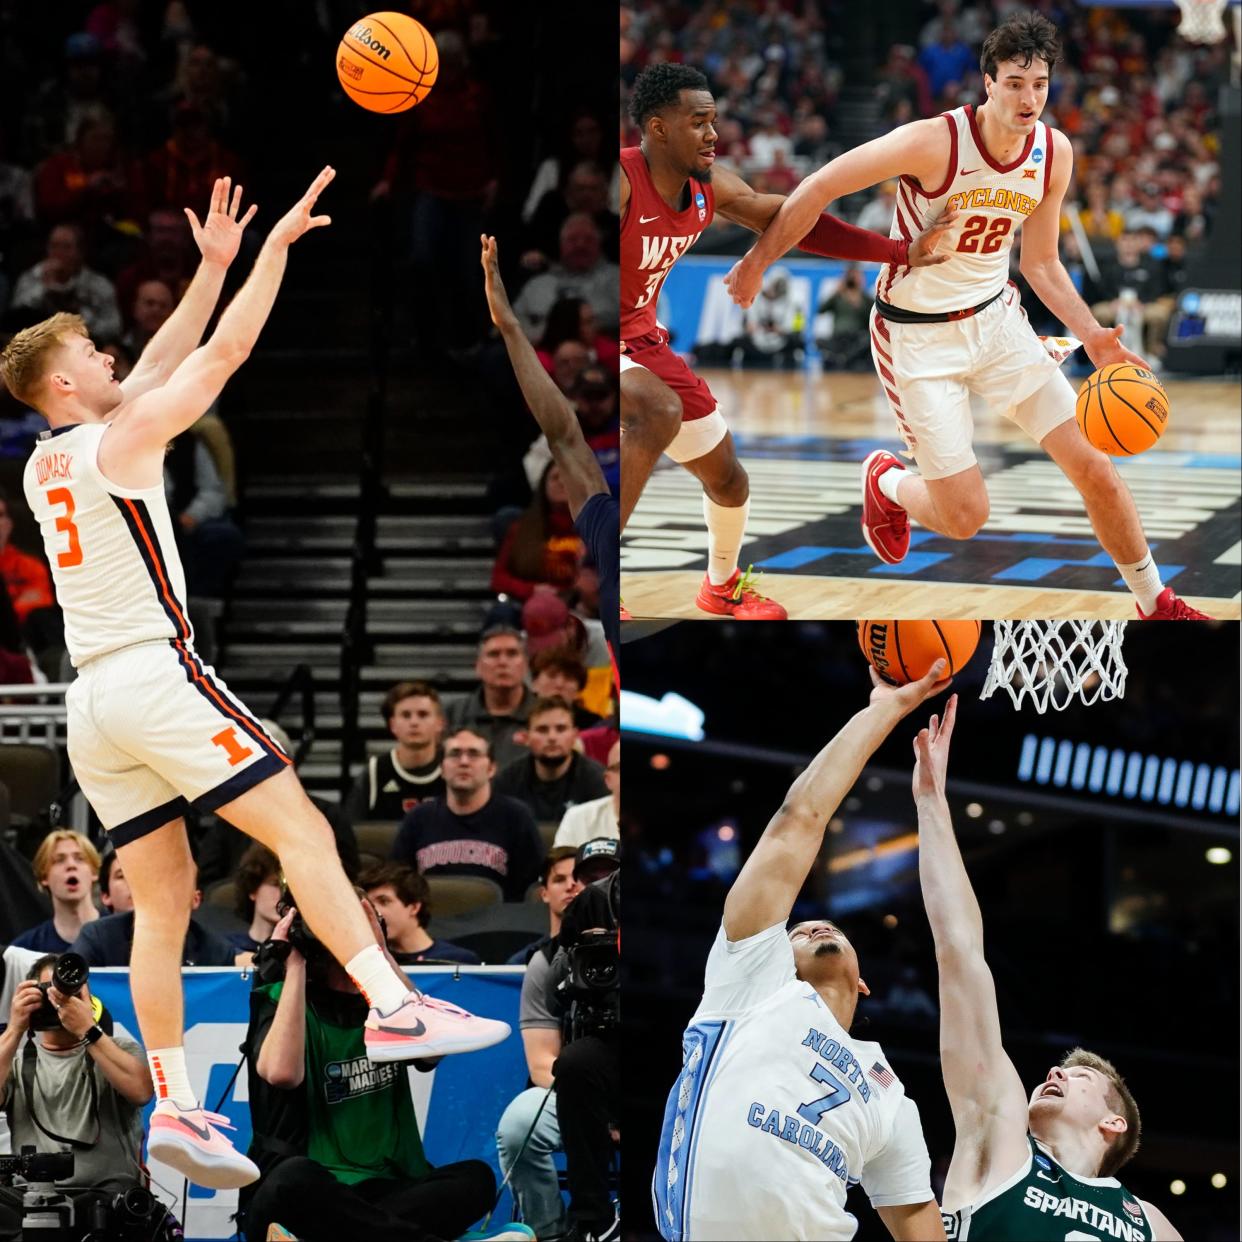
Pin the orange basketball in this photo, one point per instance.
(904, 651)
(387, 62)
(1122, 409)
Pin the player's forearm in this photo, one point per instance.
(1054, 288)
(798, 214)
(950, 902)
(181, 332)
(835, 239)
(128, 1074)
(551, 409)
(245, 315)
(9, 1042)
(281, 1060)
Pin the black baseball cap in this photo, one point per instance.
(597, 859)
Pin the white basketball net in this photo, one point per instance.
(1202, 20)
(1052, 662)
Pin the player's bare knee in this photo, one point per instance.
(1098, 475)
(966, 518)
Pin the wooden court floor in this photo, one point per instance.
(802, 437)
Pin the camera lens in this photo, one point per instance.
(70, 973)
(138, 1202)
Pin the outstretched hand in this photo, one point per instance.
(219, 236)
(497, 299)
(931, 753)
(744, 280)
(298, 219)
(909, 696)
(924, 250)
(1104, 347)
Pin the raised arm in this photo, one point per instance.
(281, 1058)
(552, 409)
(218, 239)
(768, 885)
(137, 438)
(920, 149)
(985, 1093)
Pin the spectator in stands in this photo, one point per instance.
(108, 940)
(210, 543)
(114, 892)
(1131, 269)
(66, 865)
(339, 1153)
(772, 326)
(496, 709)
(588, 821)
(1192, 221)
(471, 830)
(585, 142)
(949, 60)
(847, 347)
(167, 255)
(184, 169)
(581, 271)
(595, 402)
(971, 23)
(402, 897)
(153, 303)
(1149, 211)
(79, 1069)
(877, 215)
(17, 664)
(208, 84)
(16, 211)
(585, 189)
(540, 548)
(26, 577)
(548, 623)
(256, 891)
(1100, 219)
(557, 888)
(61, 281)
(573, 319)
(902, 80)
(556, 673)
(553, 775)
(62, 103)
(393, 784)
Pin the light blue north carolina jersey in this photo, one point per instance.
(778, 1111)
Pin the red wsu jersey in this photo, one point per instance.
(653, 238)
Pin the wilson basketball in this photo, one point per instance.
(903, 651)
(1122, 409)
(387, 62)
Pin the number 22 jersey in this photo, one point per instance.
(778, 1111)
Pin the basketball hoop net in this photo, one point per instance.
(1202, 20)
(1052, 662)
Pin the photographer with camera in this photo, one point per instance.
(74, 1084)
(335, 1136)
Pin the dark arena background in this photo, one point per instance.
(1102, 842)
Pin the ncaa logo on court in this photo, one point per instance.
(701, 203)
(1037, 156)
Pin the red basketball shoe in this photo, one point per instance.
(625, 613)
(885, 525)
(1170, 608)
(738, 598)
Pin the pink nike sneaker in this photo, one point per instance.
(423, 1026)
(1170, 608)
(885, 525)
(189, 1140)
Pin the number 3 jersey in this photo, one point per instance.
(112, 549)
(992, 201)
(778, 1111)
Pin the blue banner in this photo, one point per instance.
(458, 1103)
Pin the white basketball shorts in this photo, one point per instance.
(929, 370)
(152, 729)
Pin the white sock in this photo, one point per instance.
(371, 971)
(889, 481)
(1143, 579)
(169, 1075)
(725, 528)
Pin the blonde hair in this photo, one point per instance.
(43, 856)
(1120, 1101)
(24, 362)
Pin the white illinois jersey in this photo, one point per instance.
(778, 1111)
(112, 549)
(993, 199)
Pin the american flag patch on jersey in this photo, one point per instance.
(881, 1074)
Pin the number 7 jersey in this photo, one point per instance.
(778, 1111)
(112, 549)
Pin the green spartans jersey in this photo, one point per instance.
(1042, 1202)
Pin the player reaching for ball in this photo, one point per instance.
(669, 195)
(150, 727)
(1024, 1169)
(940, 333)
(779, 1109)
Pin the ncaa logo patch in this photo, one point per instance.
(701, 203)
(1043, 1162)
(1037, 156)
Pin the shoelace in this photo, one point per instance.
(745, 585)
(434, 1002)
(1182, 611)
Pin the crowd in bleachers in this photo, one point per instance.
(1137, 102)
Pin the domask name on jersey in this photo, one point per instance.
(54, 466)
(1089, 1214)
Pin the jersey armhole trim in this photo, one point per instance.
(1049, 143)
(115, 489)
(912, 182)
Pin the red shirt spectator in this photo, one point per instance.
(183, 171)
(541, 547)
(26, 577)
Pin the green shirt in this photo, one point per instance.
(1043, 1202)
(359, 1119)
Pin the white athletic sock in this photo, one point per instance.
(889, 481)
(1143, 579)
(373, 974)
(169, 1075)
(725, 528)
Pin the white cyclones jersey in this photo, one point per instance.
(112, 549)
(994, 199)
(778, 1111)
